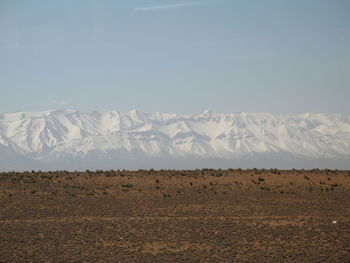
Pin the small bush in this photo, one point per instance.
(127, 185)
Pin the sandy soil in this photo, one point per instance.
(175, 216)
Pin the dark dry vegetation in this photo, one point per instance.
(175, 216)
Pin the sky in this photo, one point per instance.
(278, 56)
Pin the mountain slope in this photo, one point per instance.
(64, 134)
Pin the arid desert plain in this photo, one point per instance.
(175, 216)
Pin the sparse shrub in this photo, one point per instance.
(261, 179)
(127, 185)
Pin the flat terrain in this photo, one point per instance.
(175, 216)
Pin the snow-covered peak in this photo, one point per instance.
(206, 135)
(208, 112)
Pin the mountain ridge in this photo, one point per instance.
(56, 134)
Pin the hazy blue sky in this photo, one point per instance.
(282, 56)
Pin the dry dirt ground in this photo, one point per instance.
(175, 216)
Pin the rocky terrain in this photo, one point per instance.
(175, 216)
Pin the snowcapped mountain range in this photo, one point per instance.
(64, 137)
